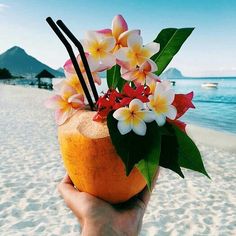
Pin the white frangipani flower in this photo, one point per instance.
(133, 118)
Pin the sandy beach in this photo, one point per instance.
(31, 168)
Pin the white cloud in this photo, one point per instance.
(3, 6)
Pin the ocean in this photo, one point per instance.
(215, 107)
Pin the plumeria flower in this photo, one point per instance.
(160, 104)
(136, 54)
(72, 78)
(119, 31)
(165, 83)
(66, 104)
(133, 118)
(141, 75)
(93, 65)
(152, 86)
(100, 47)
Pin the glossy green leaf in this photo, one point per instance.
(121, 83)
(148, 166)
(170, 40)
(113, 77)
(169, 157)
(189, 155)
(132, 148)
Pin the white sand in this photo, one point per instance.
(31, 167)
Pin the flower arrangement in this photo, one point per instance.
(141, 111)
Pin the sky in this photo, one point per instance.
(209, 51)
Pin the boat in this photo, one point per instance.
(210, 85)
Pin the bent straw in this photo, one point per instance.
(82, 54)
(73, 59)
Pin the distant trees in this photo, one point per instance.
(5, 74)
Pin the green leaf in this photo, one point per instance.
(132, 148)
(114, 79)
(121, 83)
(169, 157)
(113, 76)
(170, 40)
(189, 155)
(148, 166)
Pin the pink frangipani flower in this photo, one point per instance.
(66, 104)
(140, 75)
(119, 30)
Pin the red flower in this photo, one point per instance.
(141, 92)
(183, 102)
(113, 100)
(108, 102)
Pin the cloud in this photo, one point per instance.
(3, 6)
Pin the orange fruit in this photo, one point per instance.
(92, 162)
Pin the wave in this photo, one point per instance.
(215, 101)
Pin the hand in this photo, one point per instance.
(98, 217)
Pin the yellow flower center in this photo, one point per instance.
(133, 115)
(159, 105)
(74, 82)
(97, 49)
(138, 55)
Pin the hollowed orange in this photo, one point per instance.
(92, 162)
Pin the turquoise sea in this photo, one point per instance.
(215, 107)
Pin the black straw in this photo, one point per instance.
(82, 54)
(73, 59)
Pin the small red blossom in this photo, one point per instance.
(183, 102)
(113, 100)
(141, 92)
(108, 102)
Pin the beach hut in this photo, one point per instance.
(44, 74)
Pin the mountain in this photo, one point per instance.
(19, 63)
(172, 73)
(60, 69)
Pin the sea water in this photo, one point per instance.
(215, 107)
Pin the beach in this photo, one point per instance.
(31, 168)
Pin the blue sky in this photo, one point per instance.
(210, 50)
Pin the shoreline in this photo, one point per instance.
(212, 138)
(193, 130)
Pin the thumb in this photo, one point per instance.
(71, 195)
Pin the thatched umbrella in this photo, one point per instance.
(45, 74)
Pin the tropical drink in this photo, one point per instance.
(92, 162)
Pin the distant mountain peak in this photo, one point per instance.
(60, 69)
(172, 73)
(15, 49)
(19, 63)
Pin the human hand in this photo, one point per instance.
(98, 217)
